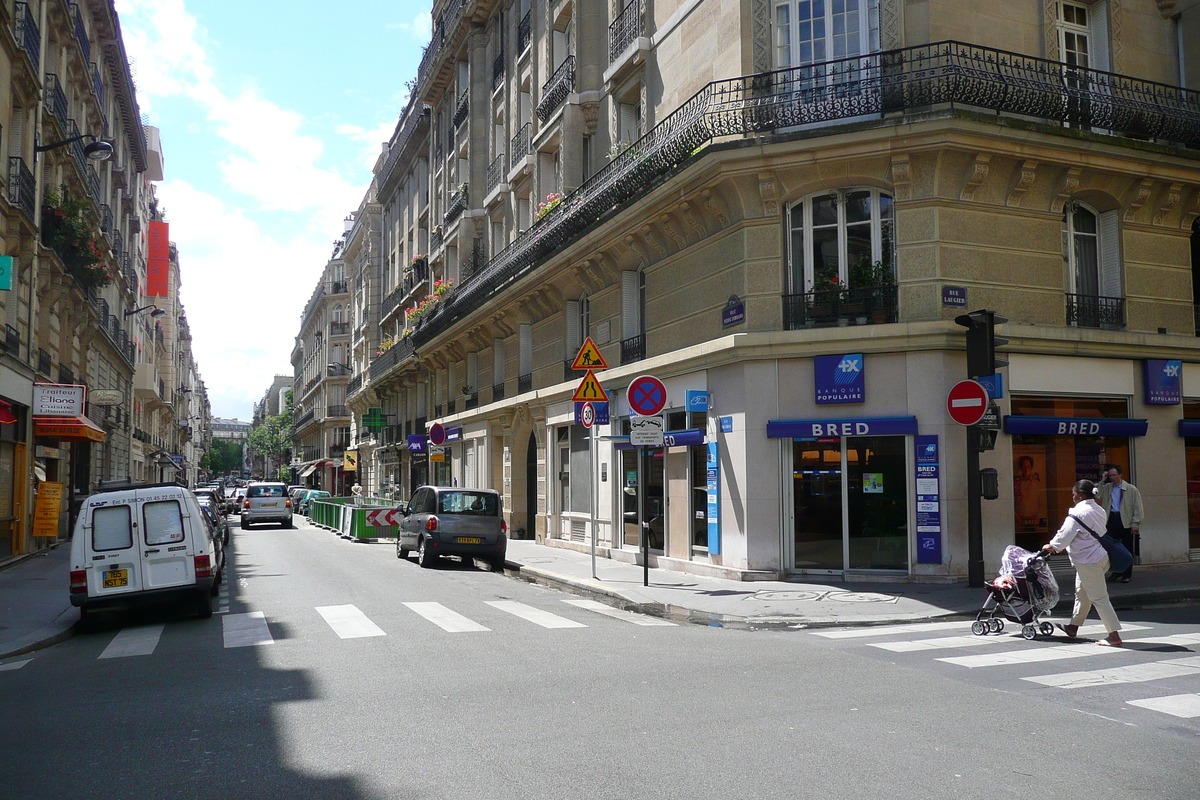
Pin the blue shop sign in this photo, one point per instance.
(929, 508)
(696, 400)
(1075, 426)
(416, 443)
(1189, 427)
(453, 435)
(993, 383)
(839, 379)
(726, 424)
(713, 497)
(1163, 382)
(853, 426)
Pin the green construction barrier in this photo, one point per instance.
(347, 519)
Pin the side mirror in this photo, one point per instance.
(404, 509)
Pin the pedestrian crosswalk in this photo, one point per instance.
(1146, 658)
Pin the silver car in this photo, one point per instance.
(266, 502)
(447, 521)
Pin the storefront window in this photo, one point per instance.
(1191, 450)
(698, 455)
(1045, 467)
(877, 494)
(817, 494)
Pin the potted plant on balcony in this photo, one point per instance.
(873, 283)
(68, 228)
(553, 200)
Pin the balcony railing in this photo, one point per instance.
(461, 108)
(44, 363)
(306, 418)
(354, 384)
(498, 72)
(495, 173)
(1093, 311)
(380, 365)
(56, 99)
(497, 391)
(555, 90)
(525, 383)
(827, 307)
(915, 78)
(624, 29)
(519, 146)
(337, 370)
(458, 204)
(81, 33)
(337, 411)
(471, 401)
(21, 186)
(25, 30)
(393, 299)
(98, 84)
(106, 218)
(474, 261)
(339, 328)
(336, 287)
(435, 239)
(525, 31)
(12, 341)
(633, 349)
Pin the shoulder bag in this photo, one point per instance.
(1119, 557)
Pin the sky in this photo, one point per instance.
(272, 115)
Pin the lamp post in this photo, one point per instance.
(157, 312)
(96, 150)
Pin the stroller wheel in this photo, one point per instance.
(996, 624)
(1046, 629)
(979, 627)
(1029, 632)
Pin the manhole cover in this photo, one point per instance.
(861, 597)
(786, 594)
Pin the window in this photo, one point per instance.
(164, 522)
(811, 31)
(835, 235)
(578, 324)
(1092, 251)
(111, 528)
(1083, 39)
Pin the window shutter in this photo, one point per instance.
(573, 339)
(631, 307)
(525, 358)
(1110, 254)
(497, 361)
(1098, 16)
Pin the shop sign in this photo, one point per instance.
(416, 443)
(45, 511)
(58, 400)
(726, 424)
(858, 426)
(929, 512)
(954, 296)
(1189, 427)
(1074, 426)
(713, 498)
(350, 461)
(839, 379)
(41, 451)
(695, 400)
(453, 434)
(994, 385)
(691, 437)
(1163, 382)
(734, 312)
(6, 273)
(106, 397)
(599, 413)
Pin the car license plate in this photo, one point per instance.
(468, 540)
(268, 505)
(115, 578)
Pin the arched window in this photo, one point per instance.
(1092, 252)
(837, 239)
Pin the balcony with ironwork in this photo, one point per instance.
(81, 37)
(525, 383)
(623, 32)
(457, 205)
(354, 384)
(106, 220)
(44, 363)
(305, 418)
(555, 90)
(497, 391)
(436, 238)
(474, 261)
(633, 349)
(22, 188)
(336, 287)
(339, 328)
(461, 107)
(840, 307)
(12, 341)
(337, 370)
(495, 174)
(498, 72)
(525, 31)
(98, 85)
(56, 101)
(520, 159)
(384, 363)
(1094, 311)
(337, 411)
(26, 32)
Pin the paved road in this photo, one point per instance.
(333, 670)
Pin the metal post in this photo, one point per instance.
(642, 477)
(595, 497)
(974, 510)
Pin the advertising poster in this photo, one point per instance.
(1029, 487)
(158, 259)
(45, 512)
(929, 510)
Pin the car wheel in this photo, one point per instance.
(497, 564)
(401, 552)
(425, 556)
(204, 605)
(216, 584)
(288, 524)
(226, 540)
(87, 620)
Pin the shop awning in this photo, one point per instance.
(69, 429)
(309, 470)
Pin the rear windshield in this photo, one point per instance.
(164, 522)
(266, 491)
(111, 528)
(480, 504)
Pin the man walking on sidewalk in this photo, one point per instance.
(1122, 503)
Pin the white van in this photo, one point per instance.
(143, 544)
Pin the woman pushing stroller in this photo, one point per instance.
(1079, 536)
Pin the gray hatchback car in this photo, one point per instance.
(266, 502)
(448, 521)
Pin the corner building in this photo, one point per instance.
(778, 209)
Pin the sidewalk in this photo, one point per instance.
(35, 609)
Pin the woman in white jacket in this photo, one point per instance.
(1090, 561)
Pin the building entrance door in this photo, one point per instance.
(817, 499)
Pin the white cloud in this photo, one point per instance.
(371, 139)
(421, 27)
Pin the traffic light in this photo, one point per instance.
(982, 342)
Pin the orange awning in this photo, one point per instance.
(69, 429)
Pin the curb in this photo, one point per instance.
(41, 638)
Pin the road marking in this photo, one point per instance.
(246, 630)
(14, 665)
(534, 615)
(139, 641)
(1177, 705)
(1135, 673)
(952, 642)
(348, 622)
(888, 630)
(616, 613)
(446, 619)
(1035, 655)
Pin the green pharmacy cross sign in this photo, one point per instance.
(374, 420)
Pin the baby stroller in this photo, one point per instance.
(1025, 590)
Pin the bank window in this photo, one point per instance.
(840, 239)
(1045, 467)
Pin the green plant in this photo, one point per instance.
(865, 274)
(617, 148)
(69, 229)
(553, 200)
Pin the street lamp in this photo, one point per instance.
(96, 150)
(157, 312)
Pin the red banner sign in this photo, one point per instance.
(158, 261)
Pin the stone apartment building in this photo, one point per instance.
(778, 208)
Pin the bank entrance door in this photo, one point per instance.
(850, 503)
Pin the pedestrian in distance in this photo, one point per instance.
(1080, 537)
(1122, 502)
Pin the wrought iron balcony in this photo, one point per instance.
(56, 100)
(1093, 311)
(498, 72)
(458, 204)
(81, 32)
(828, 307)
(12, 340)
(525, 383)
(21, 186)
(306, 418)
(339, 328)
(354, 384)
(555, 90)
(519, 146)
(463, 105)
(106, 218)
(381, 365)
(337, 411)
(336, 287)
(393, 299)
(470, 401)
(25, 31)
(435, 239)
(624, 29)
(495, 173)
(633, 349)
(525, 31)
(98, 85)
(474, 261)
(916, 78)
(337, 370)
(44, 363)
(497, 391)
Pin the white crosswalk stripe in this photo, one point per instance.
(348, 622)
(954, 642)
(13, 665)
(534, 615)
(1059, 653)
(1186, 706)
(444, 618)
(246, 630)
(889, 630)
(616, 613)
(139, 641)
(1134, 673)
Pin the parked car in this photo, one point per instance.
(266, 502)
(239, 495)
(218, 519)
(450, 521)
(305, 505)
(210, 495)
(294, 491)
(144, 544)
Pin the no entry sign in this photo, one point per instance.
(967, 402)
(647, 396)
